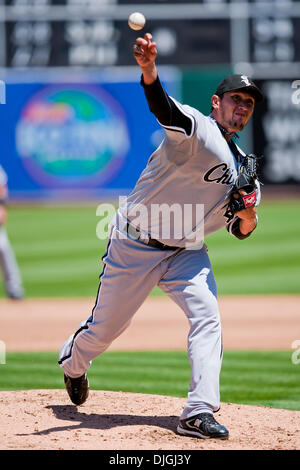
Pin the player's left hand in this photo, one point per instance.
(248, 217)
(246, 214)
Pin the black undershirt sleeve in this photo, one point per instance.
(163, 107)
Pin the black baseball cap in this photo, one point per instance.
(239, 82)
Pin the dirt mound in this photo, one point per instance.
(46, 420)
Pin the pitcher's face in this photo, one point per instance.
(233, 110)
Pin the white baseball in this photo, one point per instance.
(136, 21)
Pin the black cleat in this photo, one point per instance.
(78, 389)
(202, 425)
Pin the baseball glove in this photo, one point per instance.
(243, 193)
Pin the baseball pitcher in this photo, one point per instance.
(198, 167)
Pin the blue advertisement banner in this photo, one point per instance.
(82, 137)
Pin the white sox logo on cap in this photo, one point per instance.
(245, 79)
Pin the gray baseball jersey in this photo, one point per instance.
(188, 169)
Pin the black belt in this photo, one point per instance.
(135, 233)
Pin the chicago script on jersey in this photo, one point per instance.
(213, 174)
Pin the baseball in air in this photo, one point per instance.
(136, 21)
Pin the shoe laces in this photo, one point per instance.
(207, 418)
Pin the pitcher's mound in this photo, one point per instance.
(46, 419)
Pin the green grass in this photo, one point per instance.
(248, 377)
(268, 262)
(60, 255)
(57, 249)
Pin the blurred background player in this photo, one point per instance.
(8, 263)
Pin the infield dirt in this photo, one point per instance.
(46, 419)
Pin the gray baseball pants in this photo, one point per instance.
(131, 270)
(9, 266)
